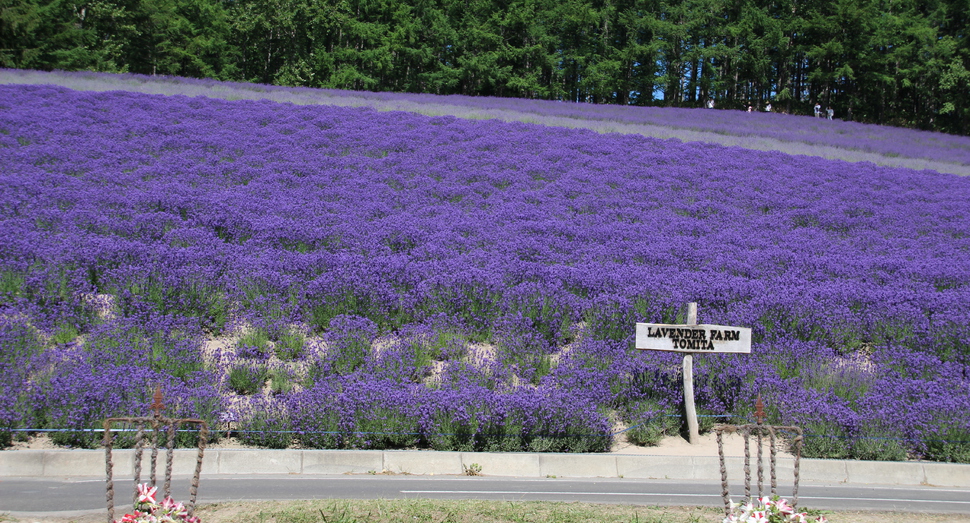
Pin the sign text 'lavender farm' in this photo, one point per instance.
(693, 338)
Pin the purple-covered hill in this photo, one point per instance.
(342, 277)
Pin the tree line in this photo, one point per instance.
(899, 62)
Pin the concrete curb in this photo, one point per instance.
(85, 463)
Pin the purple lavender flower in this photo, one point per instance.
(463, 284)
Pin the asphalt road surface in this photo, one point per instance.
(29, 496)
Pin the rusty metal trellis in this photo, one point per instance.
(760, 431)
(157, 425)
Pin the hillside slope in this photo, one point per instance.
(887, 146)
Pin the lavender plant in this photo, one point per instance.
(761, 131)
(463, 284)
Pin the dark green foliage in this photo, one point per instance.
(254, 344)
(348, 303)
(174, 358)
(267, 429)
(21, 342)
(187, 436)
(951, 444)
(12, 285)
(382, 428)
(550, 320)
(351, 356)
(879, 448)
(66, 333)
(290, 345)
(908, 65)
(349, 344)
(168, 295)
(77, 438)
(471, 304)
(281, 380)
(248, 378)
(455, 435)
(323, 428)
(826, 440)
(648, 424)
(610, 319)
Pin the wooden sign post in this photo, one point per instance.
(690, 338)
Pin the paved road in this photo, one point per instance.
(28, 496)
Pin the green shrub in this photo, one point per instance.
(290, 345)
(454, 435)
(204, 302)
(382, 428)
(66, 333)
(254, 344)
(248, 378)
(949, 444)
(280, 380)
(826, 440)
(349, 343)
(651, 431)
(20, 343)
(320, 428)
(879, 444)
(84, 439)
(267, 428)
(649, 422)
(169, 356)
(547, 318)
(12, 285)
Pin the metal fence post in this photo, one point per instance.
(158, 426)
(761, 430)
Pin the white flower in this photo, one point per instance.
(758, 516)
(783, 507)
(149, 511)
(146, 494)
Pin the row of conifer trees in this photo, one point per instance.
(903, 62)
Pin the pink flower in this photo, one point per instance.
(169, 511)
(146, 494)
(758, 516)
(822, 519)
(783, 507)
(137, 517)
(173, 507)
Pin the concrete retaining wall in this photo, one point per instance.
(79, 463)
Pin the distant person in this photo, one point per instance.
(818, 110)
(710, 103)
(830, 112)
(768, 107)
(750, 109)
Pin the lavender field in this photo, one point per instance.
(791, 134)
(340, 277)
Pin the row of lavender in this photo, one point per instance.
(793, 129)
(405, 280)
(799, 129)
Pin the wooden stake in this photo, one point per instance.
(691, 412)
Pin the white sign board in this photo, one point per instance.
(693, 338)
